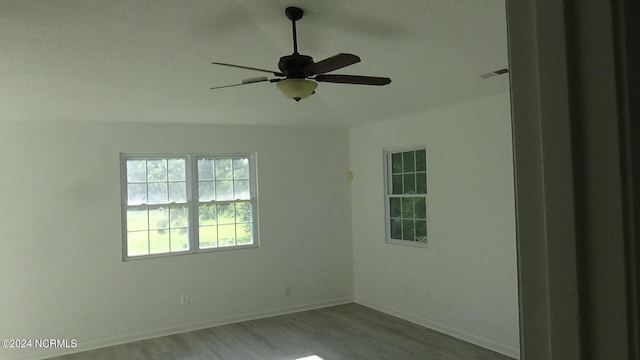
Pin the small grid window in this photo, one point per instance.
(187, 204)
(406, 196)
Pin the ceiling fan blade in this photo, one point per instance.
(332, 63)
(353, 79)
(248, 81)
(276, 73)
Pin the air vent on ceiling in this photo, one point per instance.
(494, 73)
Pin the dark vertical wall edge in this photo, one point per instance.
(626, 19)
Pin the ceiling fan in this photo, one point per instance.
(299, 74)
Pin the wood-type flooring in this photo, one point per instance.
(343, 332)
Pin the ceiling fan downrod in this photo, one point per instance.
(294, 14)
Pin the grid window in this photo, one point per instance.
(224, 202)
(187, 204)
(406, 196)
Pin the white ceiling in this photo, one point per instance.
(149, 60)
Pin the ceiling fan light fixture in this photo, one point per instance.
(297, 89)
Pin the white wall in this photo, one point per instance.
(60, 237)
(469, 268)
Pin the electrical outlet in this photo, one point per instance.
(286, 290)
(184, 299)
(426, 293)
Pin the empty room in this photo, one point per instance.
(243, 179)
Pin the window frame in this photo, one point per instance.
(192, 201)
(388, 194)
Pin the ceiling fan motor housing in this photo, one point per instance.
(293, 65)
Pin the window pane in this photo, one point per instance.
(407, 230)
(136, 170)
(158, 242)
(158, 193)
(407, 208)
(207, 214)
(206, 190)
(408, 161)
(205, 169)
(243, 211)
(156, 170)
(421, 231)
(240, 168)
(227, 235)
(178, 217)
(224, 190)
(396, 163)
(158, 219)
(177, 170)
(137, 243)
(243, 234)
(396, 229)
(421, 208)
(136, 194)
(226, 214)
(394, 207)
(208, 237)
(397, 184)
(136, 219)
(421, 160)
(409, 183)
(179, 239)
(241, 190)
(223, 169)
(178, 192)
(421, 183)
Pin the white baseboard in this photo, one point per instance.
(171, 330)
(462, 335)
